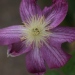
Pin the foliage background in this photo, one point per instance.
(9, 15)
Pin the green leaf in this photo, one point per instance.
(69, 68)
(52, 72)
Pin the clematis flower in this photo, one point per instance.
(39, 37)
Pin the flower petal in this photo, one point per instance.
(17, 49)
(56, 13)
(54, 56)
(35, 62)
(63, 34)
(28, 9)
(10, 34)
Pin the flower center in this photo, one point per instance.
(36, 31)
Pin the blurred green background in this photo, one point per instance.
(9, 15)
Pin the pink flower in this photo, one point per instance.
(39, 37)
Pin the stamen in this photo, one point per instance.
(36, 31)
(25, 24)
(23, 38)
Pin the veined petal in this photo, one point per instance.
(54, 56)
(63, 34)
(28, 9)
(10, 34)
(17, 49)
(56, 13)
(35, 62)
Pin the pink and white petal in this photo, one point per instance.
(28, 9)
(17, 49)
(10, 34)
(54, 56)
(35, 62)
(63, 34)
(56, 13)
